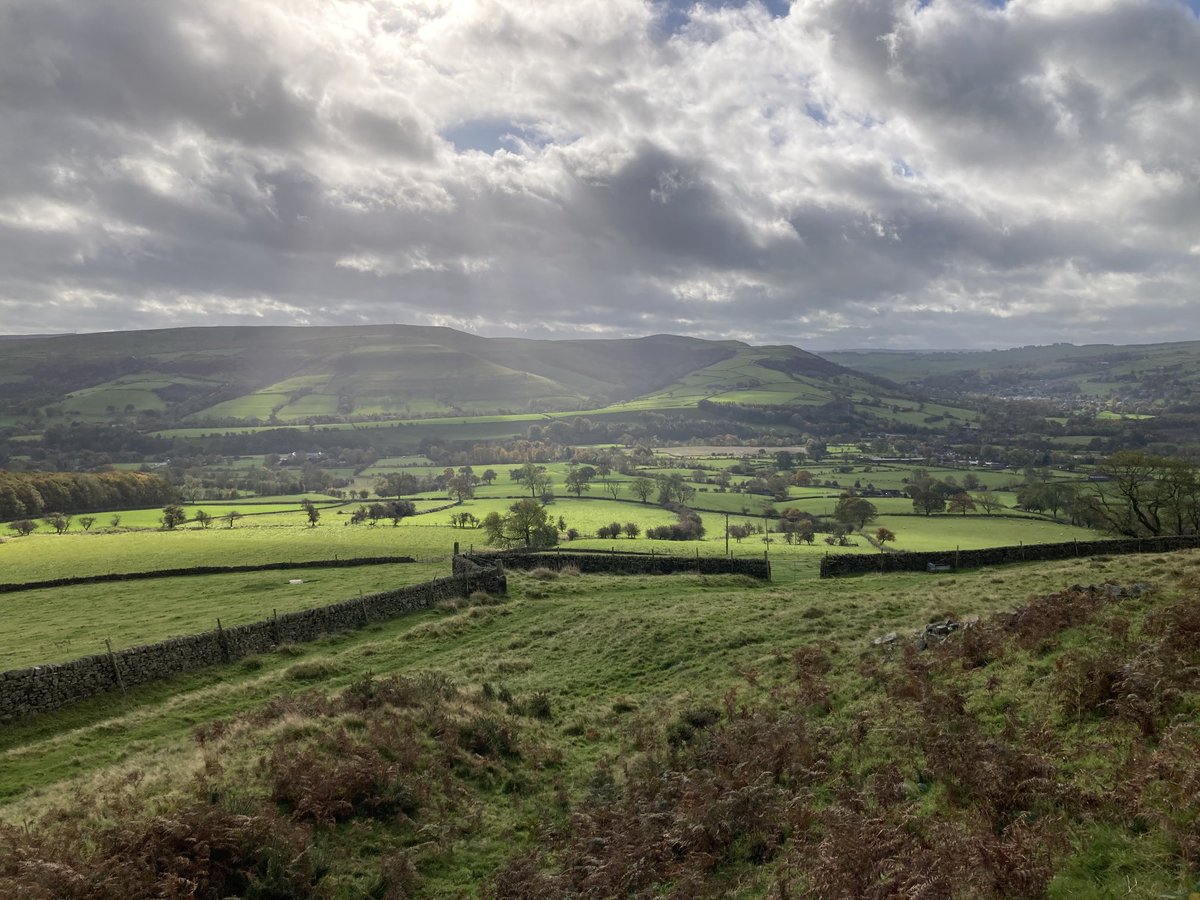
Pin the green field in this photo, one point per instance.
(57, 624)
(42, 556)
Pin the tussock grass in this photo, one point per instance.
(594, 686)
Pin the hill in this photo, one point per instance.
(1132, 374)
(279, 376)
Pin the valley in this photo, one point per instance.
(577, 734)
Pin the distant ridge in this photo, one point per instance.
(276, 375)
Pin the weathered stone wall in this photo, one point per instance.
(858, 564)
(205, 570)
(606, 563)
(40, 689)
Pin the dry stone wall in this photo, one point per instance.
(862, 563)
(39, 689)
(606, 563)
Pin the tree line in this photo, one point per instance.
(29, 494)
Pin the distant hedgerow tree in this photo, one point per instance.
(172, 517)
(23, 527)
(86, 522)
(642, 488)
(58, 521)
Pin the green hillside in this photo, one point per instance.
(237, 377)
(1135, 373)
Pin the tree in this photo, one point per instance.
(86, 522)
(632, 530)
(172, 517)
(961, 503)
(115, 521)
(578, 480)
(488, 476)
(310, 510)
(464, 520)
(854, 511)
(203, 518)
(230, 517)
(674, 489)
(884, 535)
(642, 488)
(395, 484)
(738, 532)
(925, 493)
(1147, 495)
(987, 501)
(525, 524)
(688, 527)
(461, 487)
(534, 478)
(23, 527)
(58, 521)
(402, 509)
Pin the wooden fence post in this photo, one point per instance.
(112, 661)
(224, 641)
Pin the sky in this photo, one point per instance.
(826, 173)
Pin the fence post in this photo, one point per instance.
(224, 641)
(112, 661)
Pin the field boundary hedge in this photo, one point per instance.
(843, 564)
(607, 562)
(205, 570)
(40, 689)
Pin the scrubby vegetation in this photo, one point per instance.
(1043, 746)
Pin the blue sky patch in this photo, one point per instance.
(676, 13)
(490, 135)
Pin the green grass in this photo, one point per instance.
(57, 624)
(280, 533)
(43, 556)
(618, 658)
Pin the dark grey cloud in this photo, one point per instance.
(829, 172)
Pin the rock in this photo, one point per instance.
(890, 638)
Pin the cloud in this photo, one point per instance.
(837, 173)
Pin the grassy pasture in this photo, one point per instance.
(43, 556)
(284, 536)
(57, 624)
(618, 659)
